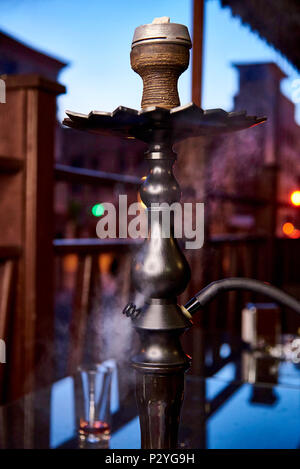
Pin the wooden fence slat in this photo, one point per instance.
(5, 297)
(80, 312)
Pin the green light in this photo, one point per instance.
(98, 210)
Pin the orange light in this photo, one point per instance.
(295, 234)
(295, 198)
(288, 228)
(104, 262)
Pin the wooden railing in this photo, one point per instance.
(87, 287)
(87, 272)
(89, 176)
(27, 123)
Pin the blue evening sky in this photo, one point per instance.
(94, 36)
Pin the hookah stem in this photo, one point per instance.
(208, 293)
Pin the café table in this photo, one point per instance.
(248, 400)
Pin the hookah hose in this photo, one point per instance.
(208, 293)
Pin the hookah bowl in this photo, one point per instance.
(159, 54)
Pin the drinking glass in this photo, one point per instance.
(94, 396)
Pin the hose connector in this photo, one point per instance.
(131, 311)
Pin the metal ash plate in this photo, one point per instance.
(178, 123)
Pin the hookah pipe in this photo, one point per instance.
(159, 54)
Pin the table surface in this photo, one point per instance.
(248, 402)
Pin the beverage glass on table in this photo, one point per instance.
(94, 383)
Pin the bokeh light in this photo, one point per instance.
(98, 210)
(288, 228)
(295, 198)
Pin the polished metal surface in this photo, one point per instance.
(159, 410)
(176, 124)
(160, 269)
(160, 272)
(162, 33)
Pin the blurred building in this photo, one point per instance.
(259, 93)
(249, 170)
(18, 58)
(73, 202)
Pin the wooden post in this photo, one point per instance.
(267, 217)
(27, 127)
(197, 50)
